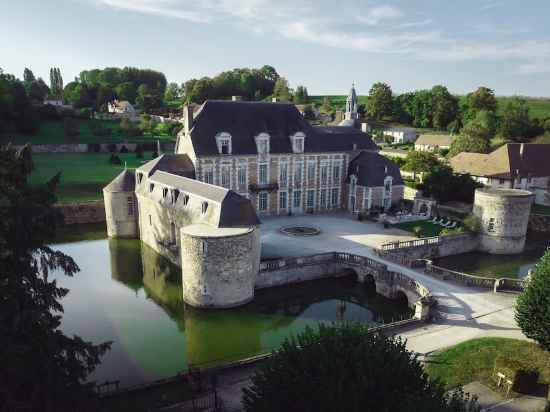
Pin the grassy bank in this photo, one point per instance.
(427, 229)
(540, 209)
(474, 360)
(83, 175)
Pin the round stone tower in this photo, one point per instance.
(504, 216)
(219, 265)
(121, 211)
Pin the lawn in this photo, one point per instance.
(427, 229)
(474, 360)
(540, 209)
(52, 132)
(83, 175)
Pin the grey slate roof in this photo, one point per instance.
(178, 164)
(370, 169)
(124, 182)
(244, 120)
(235, 210)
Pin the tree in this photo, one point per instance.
(515, 123)
(301, 96)
(380, 102)
(172, 92)
(442, 184)
(28, 76)
(56, 82)
(281, 90)
(42, 369)
(482, 99)
(126, 91)
(474, 138)
(420, 162)
(445, 107)
(326, 107)
(533, 305)
(347, 368)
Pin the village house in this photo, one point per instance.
(433, 142)
(512, 166)
(400, 134)
(122, 107)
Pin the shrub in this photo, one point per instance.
(115, 160)
(139, 151)
(471, 223)
(155, 154)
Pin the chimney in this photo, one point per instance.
(386, 169)
(187, 119)
(365, 127)
(355, 146)
(236, 98)
(273, 100)
(521, 149)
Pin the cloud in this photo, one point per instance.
(166, 8)
(380, 14)
(421, 23)
(491, 5)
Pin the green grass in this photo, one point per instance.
(52, 132)
(83, 175)
(474, 360)
(79, 233)
(427, 229)
(540, 209)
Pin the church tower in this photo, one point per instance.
(351, 105)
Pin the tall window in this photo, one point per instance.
(262, 143)
(204, 207)
(298, 145)
(241, 175)
(387, 184)
(172, 232)
(311, 171)
(324, 198)
(335, 174)
(324, 175)
(262, 175)
(262, 146)
(262, 204)
(334, 197)
(310, 199)
(204, 248)
(225, 148)
(297, 199)
(283, 174)
(223, 140)
(298, 173)
(225, 176)
(209, 175)
(282, 200)
(130, 206)
(491, 225)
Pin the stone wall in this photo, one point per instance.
(79, 213)
(539, 223)
(121, 214)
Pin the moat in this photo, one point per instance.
(128, 294)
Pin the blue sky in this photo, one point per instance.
(324, 45)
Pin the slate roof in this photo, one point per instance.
(178, 164)
(435, 139)
(235, 210)
(506, 161)
(124, 182)
(245, 120)
(370, 169)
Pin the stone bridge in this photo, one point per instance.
(388, 283)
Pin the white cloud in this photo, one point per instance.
(380, 14)
(491, 5)
(166, 8)
(421, 23)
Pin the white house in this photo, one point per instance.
(401, 134)
(433, 142)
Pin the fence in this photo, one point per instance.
(411, 243)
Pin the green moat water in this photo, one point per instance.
(128, 294)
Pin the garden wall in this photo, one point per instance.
(79, 213)
(539, 223)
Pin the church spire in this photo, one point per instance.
(351, 104)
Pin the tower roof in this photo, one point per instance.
(124, 182)
(352, 95)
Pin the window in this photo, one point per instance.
(262, 143)
(352, 184)
(324, 198)
(310, 199)
(262, 146)
(225, 176)
(223, 141)
(263, 202)
(209, 175)
(367, 202)
(150, 221)
(172, 233)
(387, 184)
(204, 250)
(164, 192)
(204, 207)
(175, 195)
(224, 145)
(324, 174)
(282, 200)
(140, 177)
(334, 197)
(298, 173)
(297, 199)
(262, 175)
(151, 187)
(185, 199)
(311, 171)
(336, 174)
(298, 145)
(241, 175)
(491, 225)
(500, 181)
(130, 206)
(283, 174)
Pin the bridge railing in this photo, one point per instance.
(405, 244)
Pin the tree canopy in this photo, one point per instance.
(474, 138)
(442, 184)
(515, 121)
(347, 368)
(42, 368)
(379, 104)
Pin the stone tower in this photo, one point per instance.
(121, 211)
(351, 105)
(504, 216)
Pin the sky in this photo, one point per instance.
(324, 45)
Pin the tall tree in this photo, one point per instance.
(474, 138)
(445, 107)
(281, 90)
(515, 123)
(327, 105)
(42, 368)
(56, 82)
(28, 75)
(380, 102)
(482, 99)
(172, 92)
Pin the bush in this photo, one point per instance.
(472, 224)
(139, 151)
(417, 231)
(155, 154)
(115, 160)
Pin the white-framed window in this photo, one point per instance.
(336, 174)
(491, 225)
(297, 199)
(298, 173)
(367, 201)
(164, 192)
(262, 201)
(262, 174)
(151, 187)
(324, 174)
(387, 184)
(185, 199)
(283, 200)
(311, 171)
(310, 201)
(283, 174)
(262, 143)
(140, 177)
(223, 141)
(298, 140)
(175, 195)
(204, 207)
(323, 199)
(225, 174)
(241, 175)
(209, 175)
(334, 198)
(130, 201)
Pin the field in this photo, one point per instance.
(474, 360)
(83, 175)
(52, 132)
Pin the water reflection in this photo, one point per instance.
(129, 294)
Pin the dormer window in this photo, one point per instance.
(140, 177)
(223, 141)
(175, 195)
(164, 192)
(298, 140)
(185, 199)
(262, 143)
(151, 187)
(204, 207)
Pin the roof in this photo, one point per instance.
(178, 164)
(435, 139)
(352, 95)
(371, 169)
(235, 210)
(527, 159)
(124, 182)
(245, 120)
